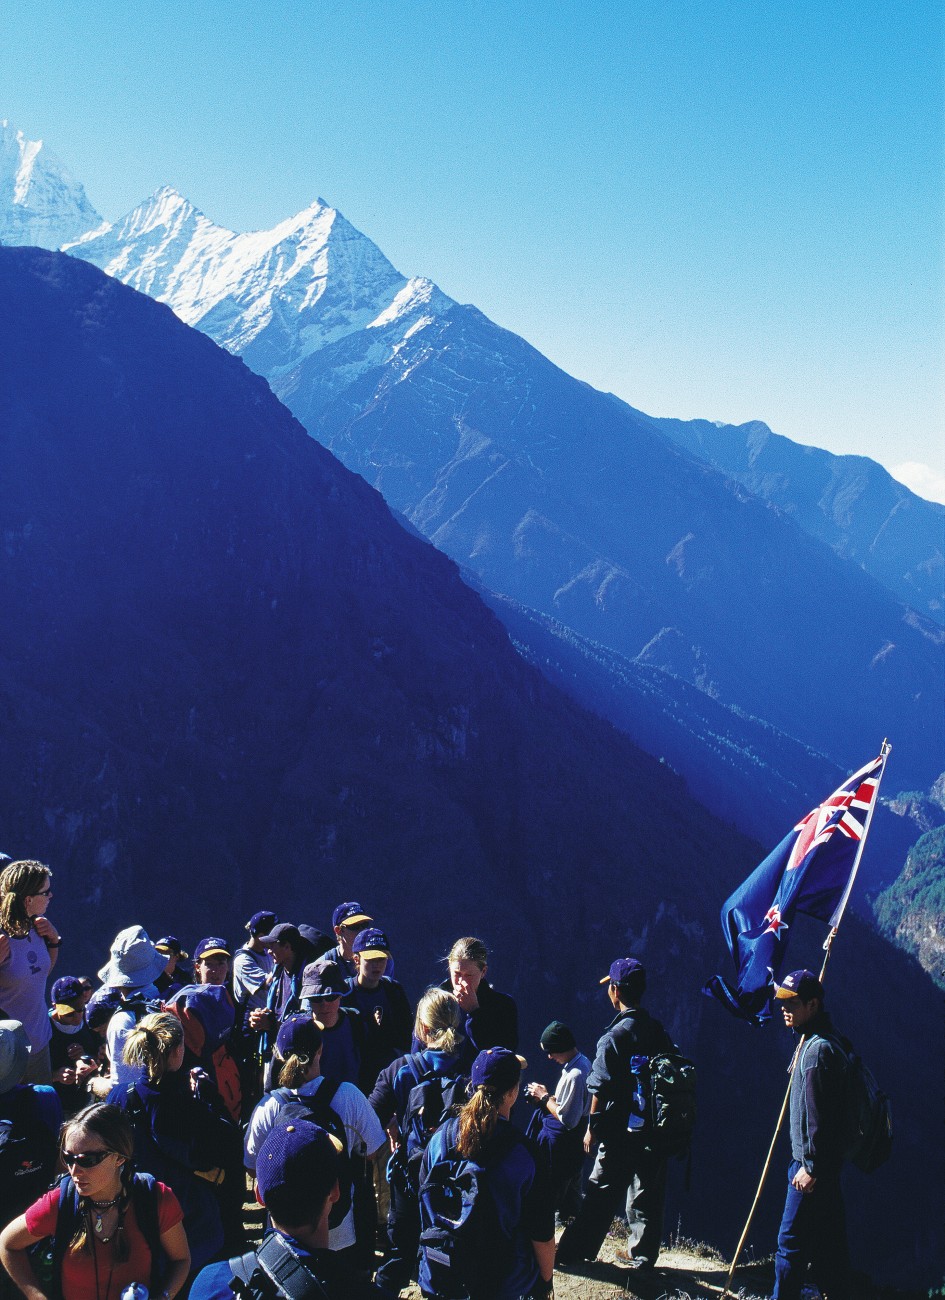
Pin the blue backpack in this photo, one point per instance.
(462, 1241)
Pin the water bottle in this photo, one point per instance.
(637, 1117)
(135, 1291)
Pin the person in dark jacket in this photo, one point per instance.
(625, 1163)
(290, 953)
(813, 1230)
(73, 1050)
(382, 1003)
(297, 1179)
(491, 1018)
(171, 977)
(324, 984)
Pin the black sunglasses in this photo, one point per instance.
(85, 1159)
(42, 893)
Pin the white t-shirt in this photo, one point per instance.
(23, 988)
(363, 1129)
(571, 1095)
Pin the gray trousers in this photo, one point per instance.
(628, 1176)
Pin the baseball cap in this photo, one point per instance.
(171, 944)
(348, 914)
(212, 947)
(371, 942)
(496, 1068)
(261, 922)
(802, 984)
(298, 1163)
(67, 995)
(298, 1036)
(623, 971)
(284, 932)
(323, 979)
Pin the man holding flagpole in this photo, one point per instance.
(813, 1230)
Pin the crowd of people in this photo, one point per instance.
(137, 1111)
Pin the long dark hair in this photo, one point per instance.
(113, 1128)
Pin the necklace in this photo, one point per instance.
(101, 1208)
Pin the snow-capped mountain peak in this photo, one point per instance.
(40, 202)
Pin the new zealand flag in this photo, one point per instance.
(811, 871)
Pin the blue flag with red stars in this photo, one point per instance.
(811, 871)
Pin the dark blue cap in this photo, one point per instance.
(298, 1159)
(371, 943)
(171, 944)
(261, 922)
(214, 946)
(624, 971)
(348, 914)
(323, 979)
(298, 1036)
(802, 984)
(496, 1068)
(67, 995)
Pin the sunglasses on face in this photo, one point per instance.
(85, 1159)
(42, 893)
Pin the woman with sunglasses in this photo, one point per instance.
(102, 1207)
(29, 946)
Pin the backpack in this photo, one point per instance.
(274, 1270)
(867, 1137)
(316, 1107)
(47, 1255)
(462, 1242)
(428, 1101)
(28, 1149)
(672, 1103)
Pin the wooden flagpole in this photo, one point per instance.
(884, 752)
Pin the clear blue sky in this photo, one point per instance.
(729, 210)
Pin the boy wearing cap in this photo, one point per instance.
(347, 921)
(813, 1226)
(297, 1180)
(253, 964)
(212, 961)
(382, 1003)
(171, 979)
(625, 1165)
(73, 1050)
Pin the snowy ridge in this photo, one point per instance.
(40, 202)
(273, 296)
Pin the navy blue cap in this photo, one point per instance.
(371, 942)
(802, 984)
(623, 971)
(298, 1036)
(496, 1068)
(284, 932)
(323, 979)
(67, 995)
(261, 922)
(298, 1161)
(214, 946)
(171, 944)
(348, 914)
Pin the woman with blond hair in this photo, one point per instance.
(110, 1227)
(29, 946)
(180, 1134)
(490, 1017)
(410, 1098)
(479, 1169)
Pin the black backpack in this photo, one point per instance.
(431, 1099)
(867, 1137)
(316, 1107)
(28, 1151)
(672, 1103)
(47, 1255)
(466, 1251)
(274, 1270)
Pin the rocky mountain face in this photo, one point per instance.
(561, 498)
(849, 502)
(229, 679)
(40, 203)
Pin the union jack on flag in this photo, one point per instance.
(811, 871)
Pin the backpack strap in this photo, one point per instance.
(68, 1218)
(144, 1198)
(287, 1271)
